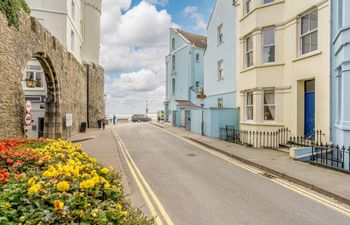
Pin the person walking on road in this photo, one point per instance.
(103, 122)
(114, 119)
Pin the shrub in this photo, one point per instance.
(12, 8)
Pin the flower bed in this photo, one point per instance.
(54, 182)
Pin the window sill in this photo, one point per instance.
(219, 79)
(263, 124)
(262, 66)
(308, 55)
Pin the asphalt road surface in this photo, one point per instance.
(183, 184)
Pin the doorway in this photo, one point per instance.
(309, 99)
(41, 127)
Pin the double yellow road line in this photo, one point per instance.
(147, 193)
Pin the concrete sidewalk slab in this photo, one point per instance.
(88, 135)
(329, 182)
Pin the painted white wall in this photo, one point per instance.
(57, 17)
(223, 14)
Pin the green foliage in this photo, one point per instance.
(12, 8)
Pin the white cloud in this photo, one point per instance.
(192, 12)
(134, 39)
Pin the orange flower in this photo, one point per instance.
(58, 204)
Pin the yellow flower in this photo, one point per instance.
(22, 219)
(32, 180)
(34, 189)
(104, 170)
(106, 185)
(119, 207)
(63, 186)
(87, 184)
(126, 213)
(58, 204)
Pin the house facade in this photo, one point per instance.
(75, 23)
(184, 75)
(340, 73)
(283, 65)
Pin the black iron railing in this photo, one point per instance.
(315, 139)
(331, 156)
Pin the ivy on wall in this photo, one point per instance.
(12, 8)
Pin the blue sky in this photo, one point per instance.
(134, 43)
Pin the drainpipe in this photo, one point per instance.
(87, 95)
(331, 114)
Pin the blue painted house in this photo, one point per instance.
(220, 70)
(184, 76)
(340, 73)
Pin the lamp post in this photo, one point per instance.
(202, 96)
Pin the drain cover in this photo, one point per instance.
(191, 154)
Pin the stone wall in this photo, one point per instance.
(66, 80)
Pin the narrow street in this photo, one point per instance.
(184, 184)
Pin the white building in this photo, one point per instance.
(75, 23)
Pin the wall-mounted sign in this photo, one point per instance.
(28, 106)
(28, 119)
(69, 120)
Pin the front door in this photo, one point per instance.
(41, 127)
(188, 120)
(309, 109)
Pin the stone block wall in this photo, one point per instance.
(66, 80)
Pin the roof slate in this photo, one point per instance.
(197, 40)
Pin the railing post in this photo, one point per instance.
(343, 154)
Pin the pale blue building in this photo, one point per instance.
(184, 76)
(340, 72)
(220, 70)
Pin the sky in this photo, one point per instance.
(134, 43)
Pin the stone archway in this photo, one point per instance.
(53, 119)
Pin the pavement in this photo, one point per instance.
(328, 182)
(90, 133)
(188, 185)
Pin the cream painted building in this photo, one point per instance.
(75, 23)
(283, 65)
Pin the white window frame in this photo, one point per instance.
(220, 68)
(173, 86)
(309, 32)
(246, 106)
(173, 44)
(248, 6)
(220, 33)
(268, 46)
(248, 52)
(173, 63)
(268, 105)
(220, 103)
(35, 74)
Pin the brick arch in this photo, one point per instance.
(53, 119)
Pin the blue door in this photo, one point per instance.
(309, 109)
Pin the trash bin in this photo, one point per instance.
(83, 127)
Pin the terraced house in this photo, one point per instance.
(283, 65)
(184, 76)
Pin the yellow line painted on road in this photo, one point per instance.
(289, 185)
(142, 190)
(147, 186)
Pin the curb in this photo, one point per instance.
(82, 140)
(277, 173)
(157, 125)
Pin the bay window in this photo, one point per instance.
(248, 6)
(249, 52)
(269, 105)
(249, 106)
(269, 45)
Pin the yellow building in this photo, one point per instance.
(283, 65)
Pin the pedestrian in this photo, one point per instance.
(99, 123)
(114, 119)
(104, 122)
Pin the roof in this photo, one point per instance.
(186, 104)
(197, 40)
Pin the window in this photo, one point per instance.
(268, 1)
(220, 103)
(269, 105)
(249, 106)
(73, 10)
(269, 45)
(173, 44)
(220, 34)
(308, 37)
(72, 40)
(249, 52)
(340, 13)
(221, 69)
(173, 63)
(35, 72)
(197, 57)
(248, 6)
(173, 87)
